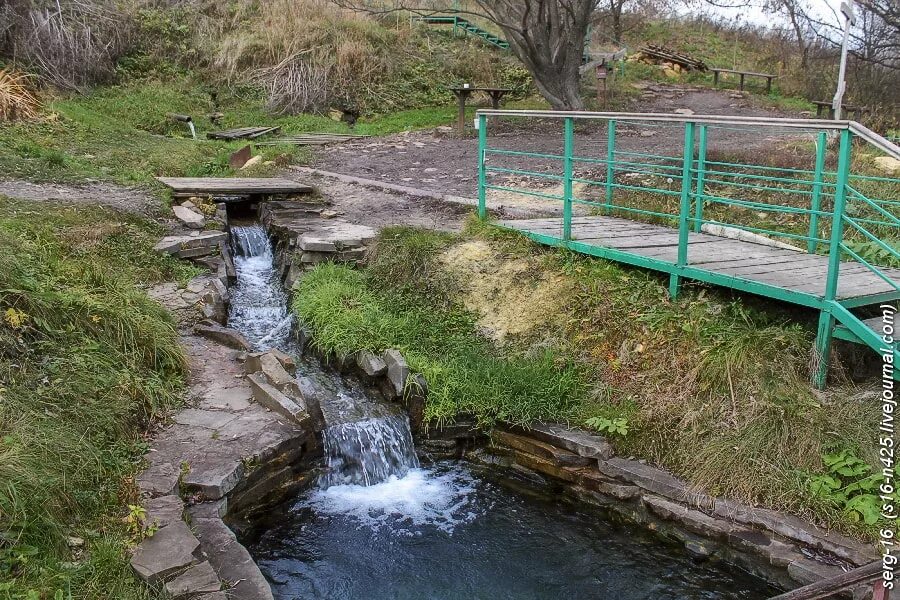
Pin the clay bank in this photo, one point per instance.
(295, 474)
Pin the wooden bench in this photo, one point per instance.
(768, 77)
(856, 111)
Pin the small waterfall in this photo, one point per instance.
(368, 452)
(258, 307)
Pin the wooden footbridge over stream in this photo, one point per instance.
(683, 215)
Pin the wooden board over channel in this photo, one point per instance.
(233, 186)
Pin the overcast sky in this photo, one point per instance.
(820, 8)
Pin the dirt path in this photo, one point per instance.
(133, 200)
(439, 161)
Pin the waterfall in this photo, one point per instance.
(368, 452)
(258, 307)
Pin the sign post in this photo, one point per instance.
(849, 20)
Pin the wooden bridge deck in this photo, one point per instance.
(729, 262)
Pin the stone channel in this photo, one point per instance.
(251, 435)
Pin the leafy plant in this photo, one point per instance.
(617, 426)
(849, 484)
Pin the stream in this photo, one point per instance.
(380, 524)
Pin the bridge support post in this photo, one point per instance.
(823, 348)
(568, 151)
(482, 179)
(685, 210)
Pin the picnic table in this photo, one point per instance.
(857, 111)
(768, 77)
(462, 93)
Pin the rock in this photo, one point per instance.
(207, 419)
(683, 111)
(651, 479)
(287, 361)
(159, 480)
(336, 236)
(252, 162)
(223, 335)
(693, 520)
(887, 164)
(582, 443)
(647, 133)
(232, 561)
(239, 158)
(180, 244)
(270, 397)
(329, 214)
(199, 579)
(397, 370)
(163, 511)
(525, 444)
(168, 551)
(807, 571)
(188, 217)
(215, 302)
(545, 466)
(371, 365)
(213, 477)
(672, 73)
(271, 368)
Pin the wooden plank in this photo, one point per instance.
(827, 588)
(233, 185)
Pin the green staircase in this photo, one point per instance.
(867, 332)
(466, 27)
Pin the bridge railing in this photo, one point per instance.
(803, 182)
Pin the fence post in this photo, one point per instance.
(482, 147)
(685, 210)
(816, 204)
(701, 180)
(826, 318)
(568, 150)
(610, 161)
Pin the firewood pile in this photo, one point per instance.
(667, 59)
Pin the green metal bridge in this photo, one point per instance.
(727, 204)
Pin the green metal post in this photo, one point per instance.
(568, 150)
(701, 177)
(821, 148)
(482, 180)
(610, 161)
(685, 210)
(826, 319)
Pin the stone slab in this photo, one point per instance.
(397, 370)
(693, 520)
(336, 236)
(208, 419)
(191, 219)
(370, 364)
(159, 479)
(557, 455)
(578, 441)
(163, 511)
(213, 477)
(170, 550)
(173, 244)
(273, 399)
(653, 480)
(199, 579)
(223, 335)
(233, 564)
(234, 399)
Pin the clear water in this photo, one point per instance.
(449, 532)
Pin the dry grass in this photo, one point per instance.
(18, 101)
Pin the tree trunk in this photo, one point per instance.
(548, 37)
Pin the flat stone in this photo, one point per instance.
(213, 476)
(692, 520)
(174, 244)
(208, 419)
(273, 399)
(335, 236)
(806, 571)
(214, 509)
(159, 480)
(230, 399)
(582, 443)
(651, 479)
(199, 579)
(189, 218)
(223, 335)
(268, 365)
(397, 370)
(287, 361)
(520, 442)
(232, 562)
(545, 466)
(592, 479)
(163, 511)
(170, 550)
(370, 364)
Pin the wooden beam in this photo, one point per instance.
(828, 587)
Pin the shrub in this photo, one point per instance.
(17, 101)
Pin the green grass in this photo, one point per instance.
(86, 360)
(349, 310)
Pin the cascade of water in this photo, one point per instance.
(258, 307)
(368, 452)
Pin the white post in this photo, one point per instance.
(849, 20)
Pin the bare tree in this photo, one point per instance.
(795, 12)
(546, 35)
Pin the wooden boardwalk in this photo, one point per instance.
(232, 186)
(729, 262)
